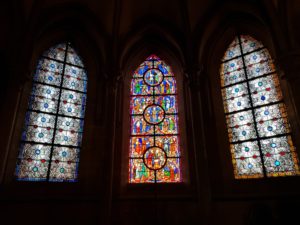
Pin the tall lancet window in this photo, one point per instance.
(52, 134)
(154, 154)
(257, 122)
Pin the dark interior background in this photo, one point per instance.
(113, 37)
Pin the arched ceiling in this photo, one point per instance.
(125, 14)
(123, 22)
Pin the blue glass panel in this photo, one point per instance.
(63, 171)
(241, 133)
(170, 172)
(265, 90)
(168, 126)
(271, 120)
(279, 155)
(232, 66)
(164, 68)
(138, 104)
(169, 144)
(139, 72)
(244, 150)
(249, 44)
(233, 50)
(248, 167)
(139, 144)
(35, 151)
(167, 86)
(232, 76)
(140, 126)
(34, 170)
(65, 154)
(73, 57)
(57, 52)
(138, 87)
(139, 173)
(72, 104)
(75, 78)
(38, 134)
(168, 103)
(69, 135)
(48, 72)
(236, 98)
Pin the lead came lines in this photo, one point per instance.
(154, 157)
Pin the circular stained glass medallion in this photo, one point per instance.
(153, 77)
(154, 114)
(155, 158)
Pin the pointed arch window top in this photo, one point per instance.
(258, 128)
(151, 62)
(51, 138)
(246, 42)
(58, 53)
(154, 155)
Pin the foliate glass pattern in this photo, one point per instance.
(52, 135)
(154, 154)
(258, 127)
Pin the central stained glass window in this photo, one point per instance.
(259, 131)
(154, 154)
(51, 139)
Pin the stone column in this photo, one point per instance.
(196, 79)
(289, 72)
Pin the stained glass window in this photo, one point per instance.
(52, 134)
(154, 154)
(257, 122)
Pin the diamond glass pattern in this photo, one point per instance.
(52, 134)
(257, 122)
